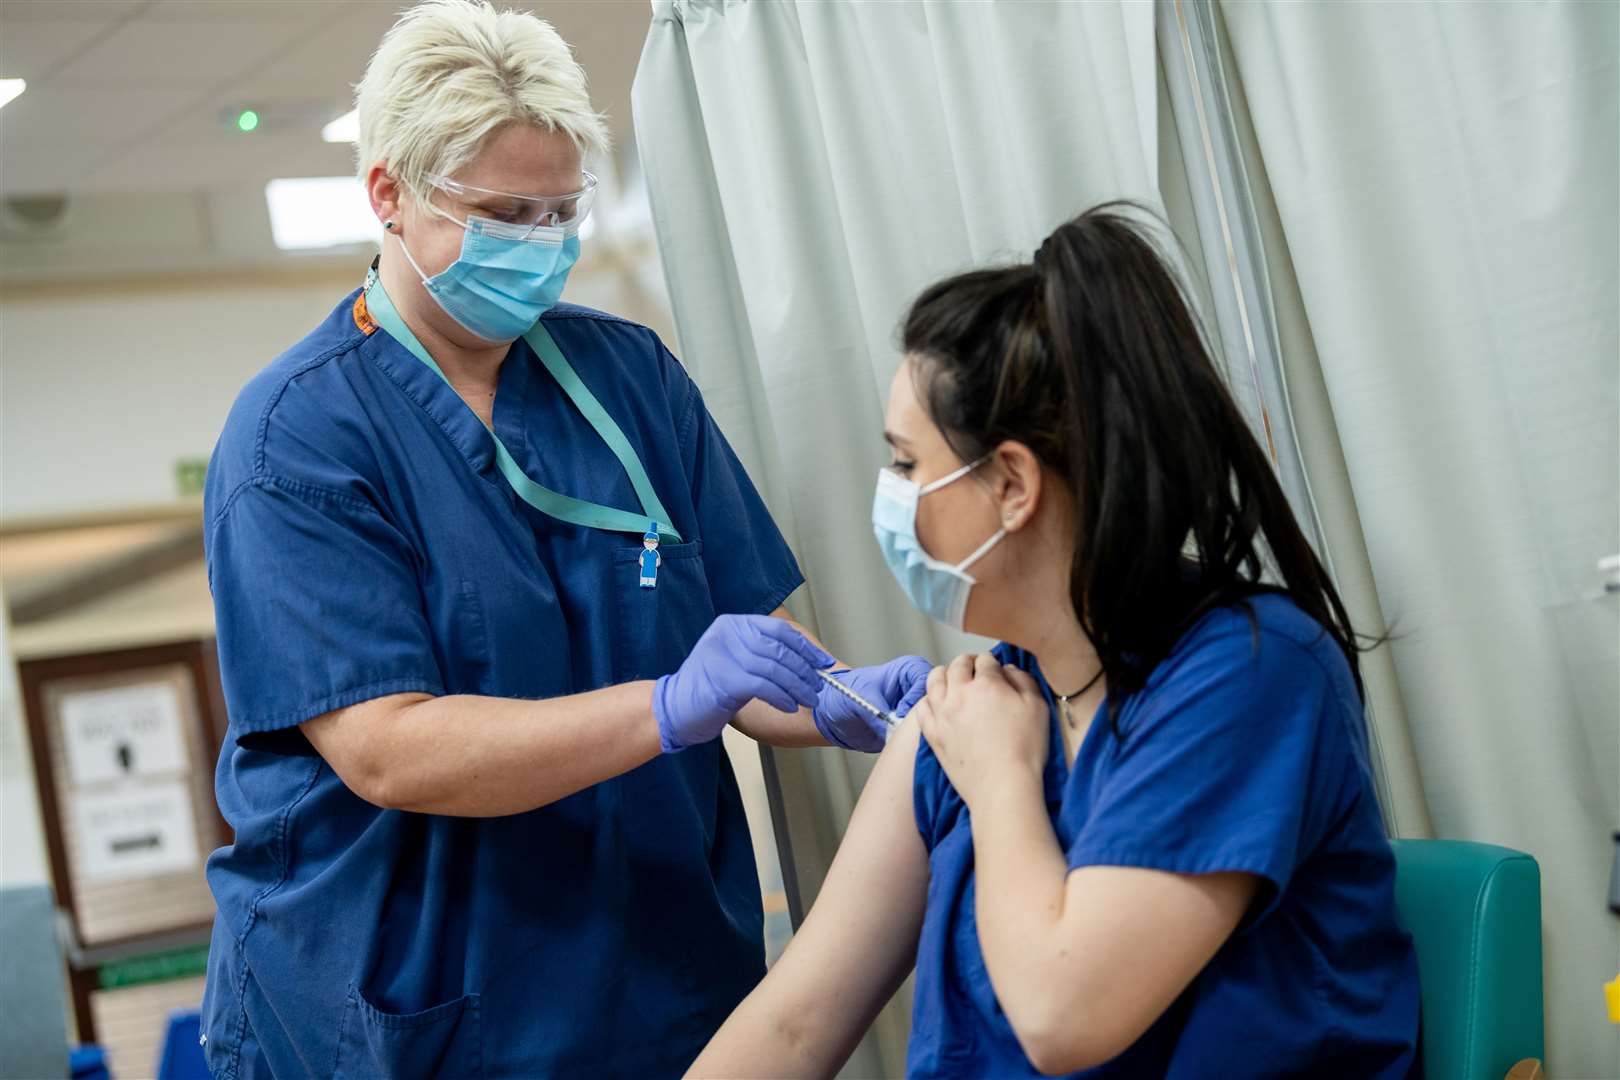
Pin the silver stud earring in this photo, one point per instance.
(389, 225)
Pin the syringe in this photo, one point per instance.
(887, 718)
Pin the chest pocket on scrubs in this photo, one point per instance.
(446, 1040)
(471, 638)
(658, 626)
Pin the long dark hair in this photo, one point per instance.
(1090, 355)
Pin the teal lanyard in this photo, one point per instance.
(552, 503)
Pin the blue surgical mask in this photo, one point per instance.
(937, 589)
(505, 278)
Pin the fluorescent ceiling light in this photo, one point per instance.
(345, 128)
(10, 89)
(320, 212)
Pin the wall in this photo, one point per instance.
(104, 386)
(22, 840)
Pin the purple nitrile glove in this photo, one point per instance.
(897, 686)
(738, 658)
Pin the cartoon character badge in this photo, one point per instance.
(650, 559)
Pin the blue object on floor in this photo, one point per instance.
(88, 1062)
(182, 1055)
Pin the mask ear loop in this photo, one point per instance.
(951, 478)
(983, 550)
(390, 225)
(408, 256)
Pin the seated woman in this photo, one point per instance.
(1155, 850)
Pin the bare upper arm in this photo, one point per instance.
(1139, 937)
(860, 939)
(355, 742)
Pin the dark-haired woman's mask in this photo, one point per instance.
(937, 589)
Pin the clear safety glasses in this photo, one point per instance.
(555, 211)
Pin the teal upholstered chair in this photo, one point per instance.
(1474, 912)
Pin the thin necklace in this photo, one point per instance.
(1064, 699)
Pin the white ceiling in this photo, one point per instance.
(134, 96)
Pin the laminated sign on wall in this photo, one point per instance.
(127, 759)
(123, 732)
(135, 831)
(124, 745)
(124, 742)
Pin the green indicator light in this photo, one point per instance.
(247, 120)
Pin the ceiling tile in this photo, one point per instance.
(326, 64)
(205, 164)
(32, 50)
(20, 11)
(29, 167)
(280, 12)
(141, 109)
(153, 54)
(96, 118)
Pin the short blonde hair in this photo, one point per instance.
(451, 71)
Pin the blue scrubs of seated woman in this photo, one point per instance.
(1140, 837)
(483, 824)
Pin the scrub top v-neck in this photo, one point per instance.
(363, 541)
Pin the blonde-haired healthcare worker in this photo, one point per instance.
(489, 584)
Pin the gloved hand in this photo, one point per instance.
(738, 658)
(897, 685)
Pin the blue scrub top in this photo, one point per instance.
(361, 542)
(1245, 751)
